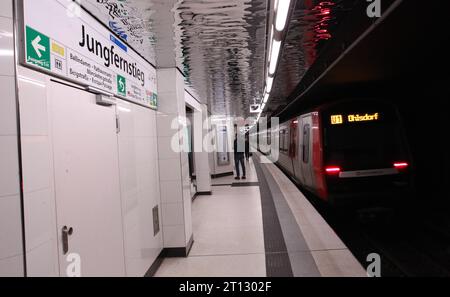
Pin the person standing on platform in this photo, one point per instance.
(247, 147)
(239, 157)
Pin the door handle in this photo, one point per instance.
(66, 232)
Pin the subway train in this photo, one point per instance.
(346, 152)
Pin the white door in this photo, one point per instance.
(140, 192)
(87, 181)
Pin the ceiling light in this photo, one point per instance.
(269, 84)
(276, 46)
(282, 14)
(271, 45)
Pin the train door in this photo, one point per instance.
(295, 136)
(86, 169)
(305, 150)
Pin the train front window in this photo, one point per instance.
(370, 145)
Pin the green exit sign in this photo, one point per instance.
(38, 48)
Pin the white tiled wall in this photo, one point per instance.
(11, 245)
(37, 166)
(139, 181)
(202, 164)
(174, 166)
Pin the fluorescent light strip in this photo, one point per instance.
(271, 44)
(266, 98)
(275, 54)
(282, 14)
(269, 84)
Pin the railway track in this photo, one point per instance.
(412, 241)
(408, 244)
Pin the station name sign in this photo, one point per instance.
(78, 48)
(354, 118)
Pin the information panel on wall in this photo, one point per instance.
(62, 39)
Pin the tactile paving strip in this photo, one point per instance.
(254, 184)
(277, 258)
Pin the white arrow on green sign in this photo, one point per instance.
(38, 48)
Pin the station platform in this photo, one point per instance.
(261, 227)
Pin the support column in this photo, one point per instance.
(11, 237)
(202, 166)
(174, 164)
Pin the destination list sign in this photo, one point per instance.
(82, 50)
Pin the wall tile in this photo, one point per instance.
(6, 8)
(174, 236)
(33, 105)
(173, 214)
(40, 221)
(165, 125)
(43, 261)
(7, 47)
(12, 267)
(9, 166)
(171, 191)
(145, 122)
(10, 227)
(168, 103)
(170, 169)
(166, 151)
(188, 219)
(36, 163)
(166, 80)
(8, 117)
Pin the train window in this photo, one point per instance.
(283, 140)
(293, 142)
(280, 139)
(365, 146)
(306, 143)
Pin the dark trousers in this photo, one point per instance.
(247, 155)
(239, 159)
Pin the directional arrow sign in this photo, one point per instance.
(121, 85)
(38, 48)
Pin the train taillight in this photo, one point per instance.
(333, 170)
(401, 165)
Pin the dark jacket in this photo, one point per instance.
(247, 145)
(236, 152)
